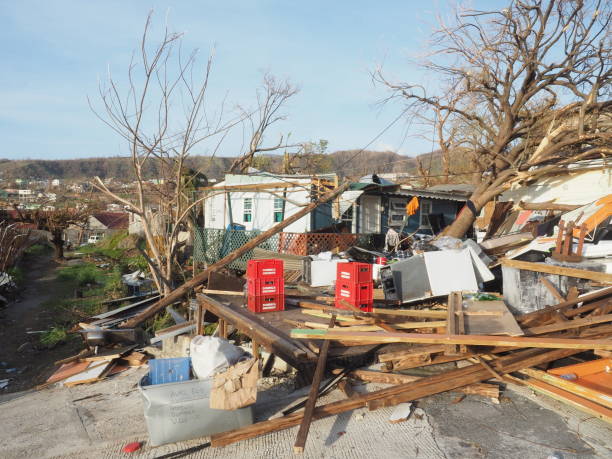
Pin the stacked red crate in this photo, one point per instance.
(354, 285)
(265, 285)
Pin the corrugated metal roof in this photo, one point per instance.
(427, 194)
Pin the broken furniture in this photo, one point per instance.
(564, 249)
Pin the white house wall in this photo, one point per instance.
(216, 212)
(575, 188)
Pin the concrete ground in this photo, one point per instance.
(97, 420)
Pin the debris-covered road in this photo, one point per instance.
(98, 420)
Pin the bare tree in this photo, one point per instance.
(162, 115)
(55, 222)
(271, 98)
(525, 86)
(13, 242)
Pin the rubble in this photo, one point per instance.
(432, 327)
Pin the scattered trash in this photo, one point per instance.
(132, 447)
(401, 413)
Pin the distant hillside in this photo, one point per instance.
(352, 163)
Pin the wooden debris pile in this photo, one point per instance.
(492, 345)
(93, 365)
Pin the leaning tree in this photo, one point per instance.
(524, 91)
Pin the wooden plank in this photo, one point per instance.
(577, 402)
(570, 386)
(109, 354)
(502, 324)
(199, 319)
(548, 205)
(251, 326)
(529, 317)
(377, 324)
(569, 313)
(575, 323)
(484, 389)
(412, 362)
(411, 313)
(558, 270)
(67, 370)
(80, 355)
(551, 288)
(470, 340)
(347, 388)
(94, 372)
(404, 392)
(209, 291)
(453, 305)
(302, 435)
(413, 351)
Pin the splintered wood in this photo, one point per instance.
(482, 335)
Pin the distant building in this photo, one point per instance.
(99, 226)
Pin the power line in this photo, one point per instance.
(375, 138)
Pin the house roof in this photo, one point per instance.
(113, 220)
(459, 188)
(432, 194)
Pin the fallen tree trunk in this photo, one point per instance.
(203, 276)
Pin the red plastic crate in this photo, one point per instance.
(257, 269)
(353, 272)
(360, 294)
(266, 303)
(266, 286)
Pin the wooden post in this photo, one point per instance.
(302, 435)
(222, 329)
(199, 319)
(255, 349)
(451, 322)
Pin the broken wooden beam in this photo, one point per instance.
(469, 340)
(548, 205)
(558, 270)
(283, 347)
(405, 392)
(569, 324)
(302, 435)
(423, 313)
(454, 305)
(484, 389)
(570, 386)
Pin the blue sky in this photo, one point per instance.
(53, 54)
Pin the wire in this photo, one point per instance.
(374, 139)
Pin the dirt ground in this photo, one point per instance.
(23, 359)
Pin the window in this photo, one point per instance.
(278, 210)
(426, 209)
(248, 210)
